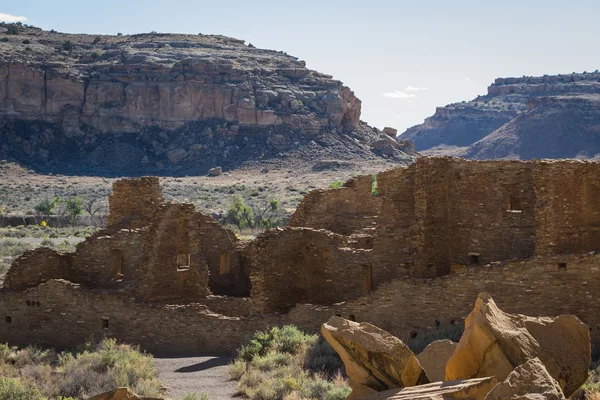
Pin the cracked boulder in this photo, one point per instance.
(495, 343)
(374, 359)
(529, 381)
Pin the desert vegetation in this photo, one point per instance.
(286, 363)
(35, 374)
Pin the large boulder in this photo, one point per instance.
(495, 343)
(434, 357)
(121, 393)
(374, 359)
(529, 381)
(472, 389)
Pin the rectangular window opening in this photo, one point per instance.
(224, 263)
(473, 258)
(8, 319)
(183, 261)
(104, 323)
(116, 262)
(562, 266)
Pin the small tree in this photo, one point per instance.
(336, 184)
(240, 214)
(265, 213)
(92, 207)
(68, 46)
(46, 207)
(12, 30)
(74, 207)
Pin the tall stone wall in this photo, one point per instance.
(345, 210)
(568, 207)
(174, 267)
(134, 201)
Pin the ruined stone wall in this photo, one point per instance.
(303, 265)
(37, 266)
(444, 211)
(229, 274)
(134, 201)
(62, 314)
(108, 256)
(345, 210)
(568, 207)
(174, 266)
(541, 286)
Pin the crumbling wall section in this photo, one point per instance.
(37, 266)
(567, 207)
(229, 274)
(109, 256)
(134, 201)
(348, 209)
(174, 267)
(62, 314)
(303, 265)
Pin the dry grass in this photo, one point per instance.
(285, 363)
(32, 373)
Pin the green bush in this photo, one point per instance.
(282, 362)
(12, 389)
(12, 30)
(336, 184)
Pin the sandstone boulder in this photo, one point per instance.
(472, 389)
(374, 359)
(216, 171)
(176, 155)
(121, 393)
(434, 357)
(529, 381)
(495, 343)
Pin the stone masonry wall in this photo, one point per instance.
(134, 201)
(302, 265)
(345, 210)
(37, 266)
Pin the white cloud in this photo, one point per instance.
(414, 89)
(467, 78)
(396, 94)
(11, 18)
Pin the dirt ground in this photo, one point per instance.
(202, 375)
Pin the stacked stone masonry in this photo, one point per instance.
(409, 258)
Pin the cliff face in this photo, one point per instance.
(529, 117)
(164, 97)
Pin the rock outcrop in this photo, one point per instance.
(471, 389)
(529, 381)
(523, 118)
(155, 101)
(434, 357)
(374, 359)
(495, 343)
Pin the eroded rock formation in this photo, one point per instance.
(374, 360)
(122, 394)
(470, 389)
(434, 357)
(519, 118)
(495, 343)
(156, 101)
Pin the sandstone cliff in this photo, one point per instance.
(521, 118)
(165, 101)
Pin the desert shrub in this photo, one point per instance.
(92, 370)
(68, 46)
(12, 30)
(97, 40)
(47, 243)
(13, 389)
(336, 184)
(288, 363)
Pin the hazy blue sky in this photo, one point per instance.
(453, 49)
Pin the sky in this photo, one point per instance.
(401, 58)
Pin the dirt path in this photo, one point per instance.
(208, 374)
